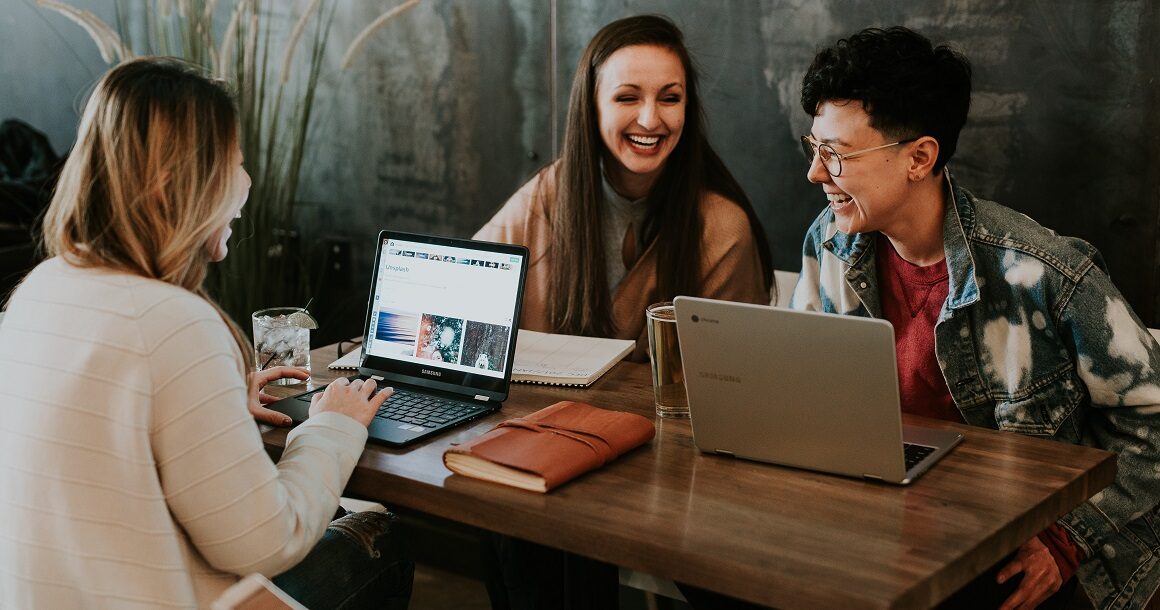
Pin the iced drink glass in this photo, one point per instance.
(278, 341)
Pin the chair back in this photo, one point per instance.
(783, 282)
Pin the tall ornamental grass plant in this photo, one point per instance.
(272, 52)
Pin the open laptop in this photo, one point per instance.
(440, 330)
(810, 390)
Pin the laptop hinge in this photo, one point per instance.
(871, 476)
(481, 398)
(724, 452)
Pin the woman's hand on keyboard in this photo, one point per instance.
(357, 399)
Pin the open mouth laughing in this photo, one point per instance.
(644, 142)
(838, 201)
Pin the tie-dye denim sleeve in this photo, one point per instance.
(1119, 362)
(822, 283)
(807, 292)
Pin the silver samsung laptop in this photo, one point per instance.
(803, 389)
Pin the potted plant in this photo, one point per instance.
(275, 71)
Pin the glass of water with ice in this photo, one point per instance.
(282, 338)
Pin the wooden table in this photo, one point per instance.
(777, 536)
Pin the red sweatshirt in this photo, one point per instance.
(912, 298)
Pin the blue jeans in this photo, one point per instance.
(357, 564)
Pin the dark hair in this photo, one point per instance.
(907, 86)
(579, 300)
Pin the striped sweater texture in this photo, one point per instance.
(131, 472)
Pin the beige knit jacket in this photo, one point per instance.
(730, 265)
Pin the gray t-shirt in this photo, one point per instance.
(617, 214)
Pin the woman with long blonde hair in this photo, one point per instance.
(131, 471)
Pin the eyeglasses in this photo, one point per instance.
(832, 159)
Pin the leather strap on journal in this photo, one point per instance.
(604, 450)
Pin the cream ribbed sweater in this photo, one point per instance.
(131, 472)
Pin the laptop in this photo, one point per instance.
(803, 389)
(440, 329)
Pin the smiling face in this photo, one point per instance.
(640, 104)
(872, 192)
(236, 198)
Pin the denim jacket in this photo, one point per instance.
(1033, 338)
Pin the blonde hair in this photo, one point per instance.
(146, 185)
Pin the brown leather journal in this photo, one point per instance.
(549, 447)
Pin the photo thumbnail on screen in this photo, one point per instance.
(440, 338)
(396, 332)
(485, 345)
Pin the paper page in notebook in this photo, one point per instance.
(349, 360)
(566, 359)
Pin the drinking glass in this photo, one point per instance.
(280, 342)
(665, 355)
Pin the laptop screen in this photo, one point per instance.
(444, 310)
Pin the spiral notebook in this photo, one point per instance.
(565, 359)
(547, 358)
(349, 361)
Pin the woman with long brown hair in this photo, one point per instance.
(131, 470)
(638, 208)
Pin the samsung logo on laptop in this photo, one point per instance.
(431, 373)
(720, 377)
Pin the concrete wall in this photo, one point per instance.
(453, 106)
(47, 66)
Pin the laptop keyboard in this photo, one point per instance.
(423, 410)
(915, 453)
